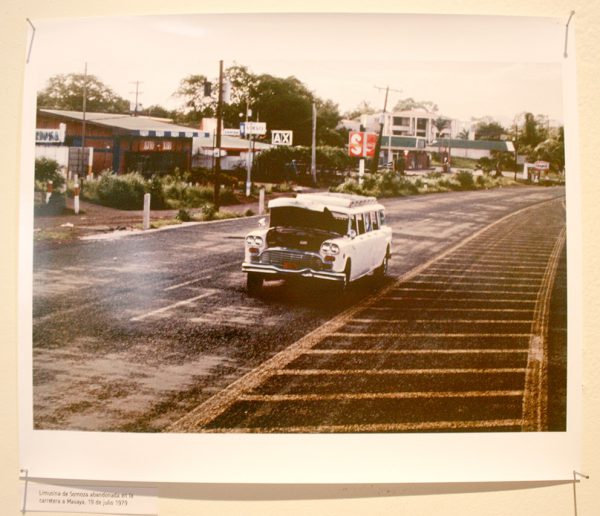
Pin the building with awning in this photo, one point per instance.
(118, 142)
(473, 149)
(235, 151)
(412, 149)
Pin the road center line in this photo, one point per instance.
(169, 307)
(185, 283)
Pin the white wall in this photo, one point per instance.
(534, 499)
(58, 153)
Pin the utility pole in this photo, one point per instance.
(83, 118)
(218, 143)
(137, 93)
(313, 155)
(375, 162)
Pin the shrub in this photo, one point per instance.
(124, 192)
(183, 216)
(48, 170)
(465, 180)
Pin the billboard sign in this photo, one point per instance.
(259, 128)
(361, 144)
(281, 137)
(51, 135)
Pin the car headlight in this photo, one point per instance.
(250, 240)
(258, 241)
(325, 247)
(335, 249)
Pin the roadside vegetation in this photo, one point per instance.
(390, 184)
(126, 192)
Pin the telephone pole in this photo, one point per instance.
(137, 93)
(375, 162)
(218, 142)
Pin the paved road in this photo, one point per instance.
(137, 333)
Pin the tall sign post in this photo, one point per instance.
(251, 129)
(218, 135)
(362, 145)
(313, 154)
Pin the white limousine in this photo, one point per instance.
(328, 236)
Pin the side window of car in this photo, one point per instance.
(360, 224)
(382, 217)
(374, 220)
(367, 218)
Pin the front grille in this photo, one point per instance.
(289, 259)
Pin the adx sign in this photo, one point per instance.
(281, 137)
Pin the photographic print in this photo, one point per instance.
(285, 226)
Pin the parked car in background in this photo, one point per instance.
(328, 236)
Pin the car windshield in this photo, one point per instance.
(325, 220)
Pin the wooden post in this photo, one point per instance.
(146, 224)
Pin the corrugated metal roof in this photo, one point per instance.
(141, 125)
(496, 145)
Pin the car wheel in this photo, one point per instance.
(254, 284)
(382, 270)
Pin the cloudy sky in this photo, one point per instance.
(469, 66)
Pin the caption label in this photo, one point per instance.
(92, 499)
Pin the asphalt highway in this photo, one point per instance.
(155, 332)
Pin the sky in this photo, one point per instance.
(466, 65)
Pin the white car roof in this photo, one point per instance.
(342, 203)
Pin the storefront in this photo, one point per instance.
(120, 143)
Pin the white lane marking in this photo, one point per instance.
(395, 371)
(442, 310)
(449, 321)
(463, 281)
(460, 299)
(488, 269)
(409, 351)
(476, 262)
(374, 428)
(185, 283)
(463, 291)
(169, 307)
(489, 276)
(215, 268)
(437, 335)
(377, 395)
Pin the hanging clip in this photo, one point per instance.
(25, 473)
(31, 42)
(575, 475)
(567, 31)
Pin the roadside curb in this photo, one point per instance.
(124, 233)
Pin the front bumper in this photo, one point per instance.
(275, 271)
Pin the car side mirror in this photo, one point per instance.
(352, 234)
(262, 223)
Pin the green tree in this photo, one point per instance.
(65, 91)
(441, 123)
(195, 105)
(286, 104)
(363, 108)
(410, 103)
(489, 131)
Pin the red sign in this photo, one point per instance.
(361, 144)
(542, 165)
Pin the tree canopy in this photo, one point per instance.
(283, 103)
(489, 131)
(409, 104)
(65, 91)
